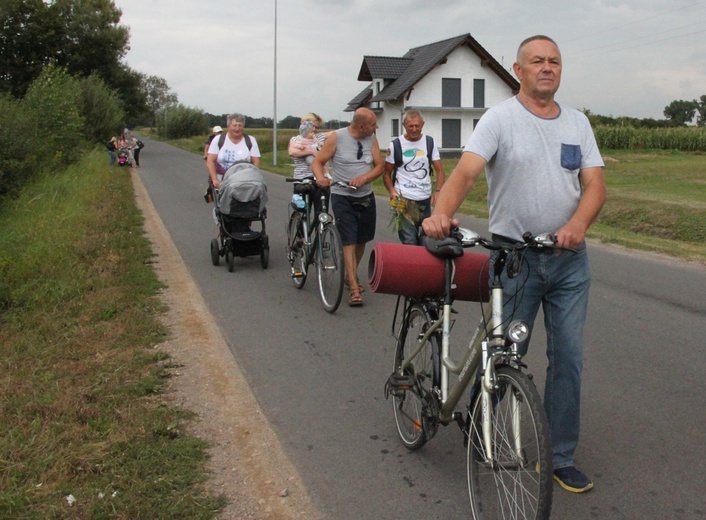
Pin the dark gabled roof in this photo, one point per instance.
(383, 67)
(406, 72)
(361, 99)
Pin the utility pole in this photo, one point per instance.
(274, 117)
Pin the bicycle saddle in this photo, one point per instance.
(301, 189)
(446, 248)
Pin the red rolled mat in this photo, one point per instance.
(414, 272)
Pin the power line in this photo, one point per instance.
(621, 49)
(659, 15)
(651, 35)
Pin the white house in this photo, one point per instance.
(452, 82)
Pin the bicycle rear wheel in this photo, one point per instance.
(330, 268)
(518, 483)
(410, 404)
(296, 249)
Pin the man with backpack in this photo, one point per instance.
(412, 159)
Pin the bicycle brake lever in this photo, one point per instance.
(545, 240)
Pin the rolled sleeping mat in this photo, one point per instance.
(414, 272)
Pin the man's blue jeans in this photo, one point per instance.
(560, 285)
(408, 232)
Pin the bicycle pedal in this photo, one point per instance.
(397, 385)
(297, 274)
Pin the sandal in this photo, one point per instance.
(355, 299)
(360, 287)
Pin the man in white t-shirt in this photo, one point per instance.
(410, 179)
(236, 147)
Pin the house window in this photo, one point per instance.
(451, 133)
(479, 93)
(450, 92)
(475, 123)
(395, 127)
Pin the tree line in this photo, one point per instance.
(678, 113)
(85, 38)
(266, 122)
(64, 85)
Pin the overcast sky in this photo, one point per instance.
(621, 58)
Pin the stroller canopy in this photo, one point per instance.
(242, 182)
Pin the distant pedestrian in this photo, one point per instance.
(125, 143)
(137, 146)
(217, 130)
(112, 146)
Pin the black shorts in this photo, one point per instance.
(355, 218)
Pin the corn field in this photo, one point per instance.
(686, 139)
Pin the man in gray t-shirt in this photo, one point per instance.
(545, 175)
(355, 158)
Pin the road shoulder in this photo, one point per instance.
(247, 465)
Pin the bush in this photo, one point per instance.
(100, 108)
(179, 121)
(16, 145)
(53, 102)
(41, 131)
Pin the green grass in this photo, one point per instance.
(79, 315)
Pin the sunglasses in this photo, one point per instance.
(360, 151)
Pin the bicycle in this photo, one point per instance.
(509, 453)
(312, 238)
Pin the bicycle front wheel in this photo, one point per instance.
(330, 268)
(411, 403)
(515, 481)
(296, 249)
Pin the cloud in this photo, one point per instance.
(621, 57)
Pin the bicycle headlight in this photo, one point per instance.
(325, 218)
(517, 332)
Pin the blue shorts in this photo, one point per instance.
(355, 218)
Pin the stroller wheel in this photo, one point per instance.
(215, 256)
(230, 260)
(265, 257)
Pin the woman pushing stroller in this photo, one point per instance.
(229, 148)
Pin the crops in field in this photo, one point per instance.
(686, 139)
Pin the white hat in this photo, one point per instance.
(217, 129)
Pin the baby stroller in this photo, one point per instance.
(240, 201)
(124, 157)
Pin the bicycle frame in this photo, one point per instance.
(465, 370)
(313, 221)
(509, 455)
(488, 336)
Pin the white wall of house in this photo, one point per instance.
(426, 95)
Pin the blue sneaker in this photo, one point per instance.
(572, 479)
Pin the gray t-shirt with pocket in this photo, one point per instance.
(533, 166)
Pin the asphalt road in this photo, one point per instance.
(319, 377)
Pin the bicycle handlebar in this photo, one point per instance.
(310, 180)
(469, 238)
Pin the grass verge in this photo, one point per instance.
(84, 433)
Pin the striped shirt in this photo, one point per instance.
(302, 169)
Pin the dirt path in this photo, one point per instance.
(247, 464)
